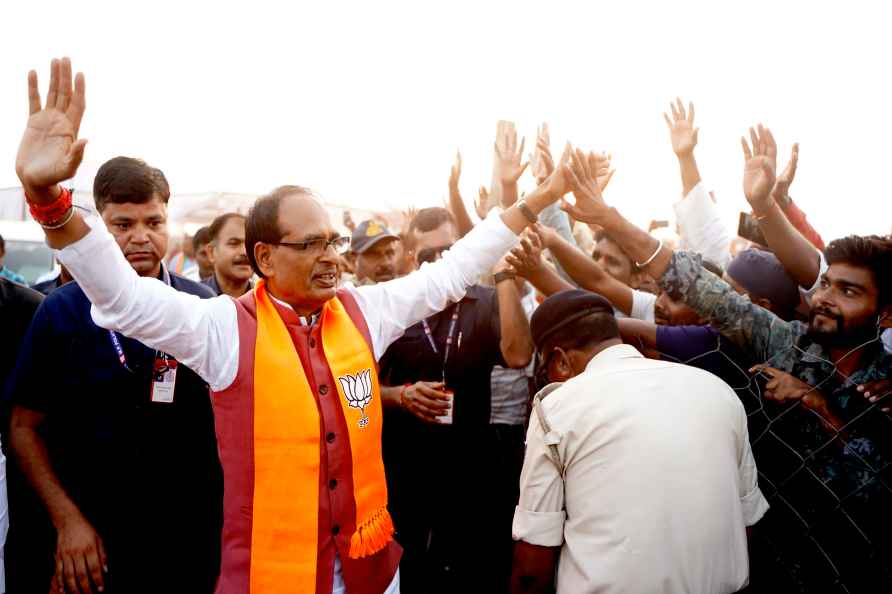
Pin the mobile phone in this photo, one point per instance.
(748, 228)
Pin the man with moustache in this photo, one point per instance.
(375, 251)
(232, 269)
(827, 446)
(292, 365)
(115, 438)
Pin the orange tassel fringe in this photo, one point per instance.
(373, 535)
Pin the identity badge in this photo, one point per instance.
(164, 377)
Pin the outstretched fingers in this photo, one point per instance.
(78, 102)
(52, 93)
(747, 153)
(33, 93)
(64, 97)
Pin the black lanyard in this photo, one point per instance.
(449, 337)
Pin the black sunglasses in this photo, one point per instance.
(430, 254)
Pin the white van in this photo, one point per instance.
(26, 250)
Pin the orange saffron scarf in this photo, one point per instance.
(284, 533)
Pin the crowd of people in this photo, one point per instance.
(551, 399)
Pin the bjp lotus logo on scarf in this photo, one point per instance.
(358, 392)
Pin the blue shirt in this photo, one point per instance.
(145, 475)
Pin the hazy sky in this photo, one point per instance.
(367, 101)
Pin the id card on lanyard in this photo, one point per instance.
(449, 338)
(164, 368)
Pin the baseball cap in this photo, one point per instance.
(367, 234)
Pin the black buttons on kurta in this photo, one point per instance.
(323, 389)
(332, 484)
(335, 530)
(330, 437)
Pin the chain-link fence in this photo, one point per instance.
(826, 476)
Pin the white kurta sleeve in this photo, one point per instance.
(391, 307)
(701, 228)
(200, 333)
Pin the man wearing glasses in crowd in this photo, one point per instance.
(439, 439)
(291, 365)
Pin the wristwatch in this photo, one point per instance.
(503, 276)
(525, 210)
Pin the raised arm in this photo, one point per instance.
(699, 220)
(509, 165)
(795, 252)
(516, 341)
(588, 274)
(754, 329)
(463, 222)
(527, 262)
(684, 138)
(391, 307)
(197, 332)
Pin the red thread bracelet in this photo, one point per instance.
(47, 214)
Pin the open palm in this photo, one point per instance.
(583, 178)
(681, 128)
(760, 164)
(50, 151)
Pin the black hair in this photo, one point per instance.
(602, 234)
(428, 219)
(262, 222)
(127, 180)
(217, 224)
(866, 251)
(201, 237)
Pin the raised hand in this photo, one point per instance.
(348, 221)
(681, 128)
(526, 258)
(455, 173)
(50, 151)
(558, 183)
(509, 157)
(759, 168)
(482, 201)
(583, 175)
(785, 179)
(541, 162)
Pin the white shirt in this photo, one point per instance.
(203, 333)
(700, 227)
(642, 307)
(659, 480)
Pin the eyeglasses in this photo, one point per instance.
(430, 254)
(317, 246)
